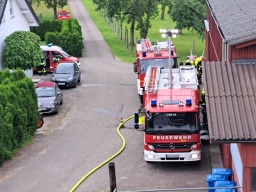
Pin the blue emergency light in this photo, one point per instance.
(153, 103)
(50, 44)
(144, 54)
(188, 102)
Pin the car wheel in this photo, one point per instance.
(57, 109)
(61, 101)
(40, 120)
(74, 85)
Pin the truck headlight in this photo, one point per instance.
(194, 156)
(151, 147)
(193, 146)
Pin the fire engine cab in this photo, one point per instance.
(152, 54)
(171, 115)
(53, 55)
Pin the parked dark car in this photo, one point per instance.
(49, 97)
(66, 75)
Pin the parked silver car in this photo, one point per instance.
(49, 97)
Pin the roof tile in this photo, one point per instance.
(230, 92)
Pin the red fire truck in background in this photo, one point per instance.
(152, 54)
(171, 115)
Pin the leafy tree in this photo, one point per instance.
(34, 2)
(54, 4)
(164, 4)
(137, 13)
(189, 14)
(22, 50)
(144, 16)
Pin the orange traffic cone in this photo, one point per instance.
(121, 122)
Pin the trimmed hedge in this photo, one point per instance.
(18, 112)
(64, 33)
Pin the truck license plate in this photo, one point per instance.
(172, 155)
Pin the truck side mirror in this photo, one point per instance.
(136, 120)
(135, 67)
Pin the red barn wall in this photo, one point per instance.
(213, 40)
(242, 51)
(226, 155)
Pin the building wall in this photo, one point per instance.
(237, 165)
(226, 155)
(235, 176)
(243, 51)
(243, 159)
(213, 41)
(11, 24)
(249, 154)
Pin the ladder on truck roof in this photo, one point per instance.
(151, 79)
(146, 44)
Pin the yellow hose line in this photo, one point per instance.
(109, 159)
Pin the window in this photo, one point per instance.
(253, 180)
(11, 7)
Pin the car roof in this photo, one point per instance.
(66, 64)
(45, 84)
(62, 11)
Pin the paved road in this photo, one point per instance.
(83, 134)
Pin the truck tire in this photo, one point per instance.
(141, 99)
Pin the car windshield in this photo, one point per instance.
(64, 69)
(45, 91)
(172, 123)
(63, 13)
(145, 63)
(65, 53)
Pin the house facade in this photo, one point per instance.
(15, 15)
(229, 78)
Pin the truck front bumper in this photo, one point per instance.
(172, 157)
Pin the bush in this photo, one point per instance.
(18, 112)
(22, 50)
(64, 33)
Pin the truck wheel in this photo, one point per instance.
(141, 99)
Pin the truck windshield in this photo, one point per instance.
(162, 63)
(172, 123)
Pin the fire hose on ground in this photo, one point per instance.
(109, 159)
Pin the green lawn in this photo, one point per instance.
(184, 42)
(44, 11)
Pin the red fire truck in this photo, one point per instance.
(152, 54)
(171, 115)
